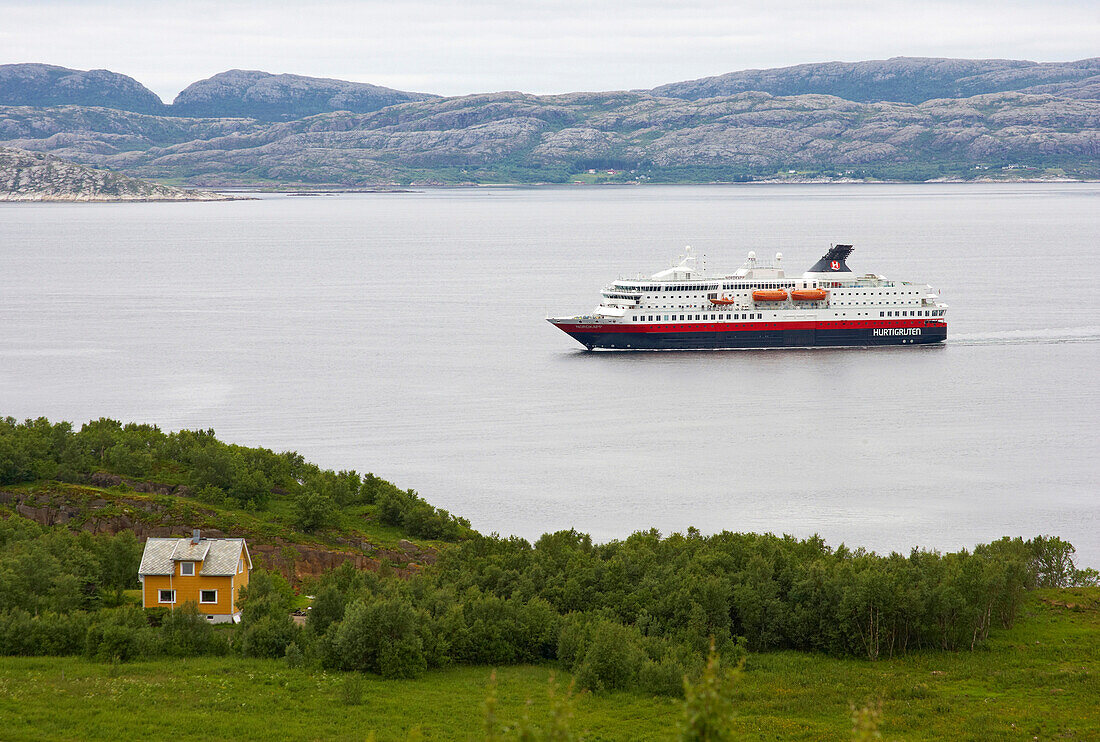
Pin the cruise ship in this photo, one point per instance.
(759, 306)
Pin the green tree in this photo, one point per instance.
(313, 511)
(1052, 561)
(266, 627)
(119, 558)
(381, 637)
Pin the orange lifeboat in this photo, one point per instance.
(769, 295)
(808, 294)
(723, 300)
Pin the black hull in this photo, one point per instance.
(771, 338)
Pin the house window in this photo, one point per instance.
(208, 596)
(240, 565)
(187, 569)
(167, 596)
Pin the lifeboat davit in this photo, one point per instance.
(769, 295)
(723, 300)
(808, 294)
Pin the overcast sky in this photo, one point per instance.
(551, 46)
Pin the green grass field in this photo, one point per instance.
(1038, 680)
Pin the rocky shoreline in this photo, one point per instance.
(36, 177)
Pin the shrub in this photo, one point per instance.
(572, 640)
(212, 495)
(380, 637)
(120, 634)
(327, 608)
(266, 626)
(314, 510)
(267, 594)
(267, 636)
(185, 632)
(59, 633)
(664, 678)
(293, 656)
(392, 506)
(16, 632)
(612, 659)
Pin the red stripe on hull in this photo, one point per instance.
(755, 326)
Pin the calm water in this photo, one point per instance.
(404, 334)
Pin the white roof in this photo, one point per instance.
(218, 555)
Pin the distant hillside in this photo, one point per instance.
(899, 119)
(47, 85)
(512, 137)
(30, 176)
(262, 95)
(901, 79)
(231, 94)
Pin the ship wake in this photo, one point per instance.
(1089, 334)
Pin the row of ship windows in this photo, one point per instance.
(835, 303)
(716, 286)
(755, 315)
(862, 291)
(927, 313)
(673, 317)
(752, 285)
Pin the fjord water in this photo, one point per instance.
(403, 334)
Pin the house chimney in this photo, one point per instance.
(195, 536)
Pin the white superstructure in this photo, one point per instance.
(758, 305)
(683, 288)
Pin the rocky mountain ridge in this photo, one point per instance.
(1048, 129)
(517, 137)
(901, 79)
(50, 85)
(268, 97)
(230, 94)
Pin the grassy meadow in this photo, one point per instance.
(1038, 680)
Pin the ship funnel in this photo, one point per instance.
(833, 261)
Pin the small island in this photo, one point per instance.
(33, 176)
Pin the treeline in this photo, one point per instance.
(62, 593)
(641, 613)
(638, 614)
(52, 569)
(210, 470)
(634, 614)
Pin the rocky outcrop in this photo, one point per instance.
(31, 176)
(48, 85)
(96, 512)
(901, 79)
(268, 97)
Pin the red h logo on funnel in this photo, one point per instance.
(835, 265)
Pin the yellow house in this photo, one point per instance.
(208, 572)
